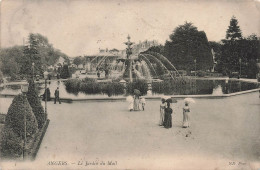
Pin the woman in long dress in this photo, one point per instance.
(168, 116)
(186, 115)
(136, 103)
(130, 100)
(162, 108)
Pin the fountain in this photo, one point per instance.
(149, 66)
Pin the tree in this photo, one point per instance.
(187, 44)
(17, 60)
(10, 59)
(31, 55)
(77, 61)
(15, 117)
(238, 53)
(233, 32)
(65, 72)
(35, 103)
(13, 134)
(157, 49)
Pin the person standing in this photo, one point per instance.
(57, 95)
(130, 100)
(136, 103)
(142, 102)
(186, 115)
(162, 109)
(48, 94)
(168, 116)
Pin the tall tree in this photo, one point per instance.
(35, 103)
(31, 55)
(233, 32)
(187, 44)
(77, 61)
(239, 54)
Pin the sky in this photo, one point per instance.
(81, 27)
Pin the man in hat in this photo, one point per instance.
(57, 95)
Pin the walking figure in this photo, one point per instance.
(142, 102)
(57, 95)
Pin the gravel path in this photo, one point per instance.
(222, 131)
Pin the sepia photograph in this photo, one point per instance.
(130, 84)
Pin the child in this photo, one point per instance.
(142, 102)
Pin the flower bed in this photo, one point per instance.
(91, 86)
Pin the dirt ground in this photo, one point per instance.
(224, 134)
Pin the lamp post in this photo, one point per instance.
(24, 89)
(240, 67)
(33, 70)
(195, 61)
(46, 77)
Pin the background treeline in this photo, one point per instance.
(188, 48)
(16, 62)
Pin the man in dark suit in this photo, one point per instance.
(57, 95)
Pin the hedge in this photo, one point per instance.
(12, 134)
(35, 103)
(11, 143)
(91, 86)
(15, 117)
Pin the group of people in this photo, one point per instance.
(56, 95)
(136, 103)
(166, 114)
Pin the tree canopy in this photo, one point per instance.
(237, 53)
(187, 44)
(16, 61)
(78, 60)
(233, 31)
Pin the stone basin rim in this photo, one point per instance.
(209, 96)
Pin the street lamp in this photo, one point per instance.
(195, 61)
(24, 89)
(45, 74)
(33, 70)
(240, 67)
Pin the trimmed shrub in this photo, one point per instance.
(11, 144)
(72, 86)
(35, 103)
(15, 117)
(139, 84)
(12, 135)
(91, 86)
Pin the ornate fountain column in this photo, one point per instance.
(128, 54)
